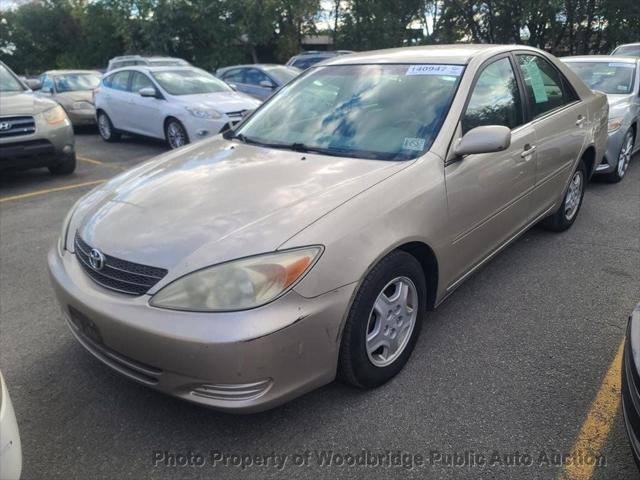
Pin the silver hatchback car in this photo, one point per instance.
(619, 79)
(310, 242)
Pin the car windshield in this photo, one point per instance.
(631, 50)
(608, 77)
(73, 82)
(283, 74)
(9, 83)
(189, 82)
(386, 112)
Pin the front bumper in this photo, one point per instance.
(631, 386)
(238, 361)
(47, 146)
(201, 128)
(82, 117)
(610, 160)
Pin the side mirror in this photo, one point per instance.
(267, 84)
(148, 92)
(46, 90)
(485, 139)
(33, 83)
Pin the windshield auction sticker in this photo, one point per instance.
(454, 70)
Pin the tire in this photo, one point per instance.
(564, 217)
(66, 167)
(175, 134)
(360, 363)
(624, 157)
(106, 129)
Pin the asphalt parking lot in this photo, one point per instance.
(511, 364)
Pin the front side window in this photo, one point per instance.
(140, 81)
(73, 82)
(236, 76)
(495, 99)
(387, 112)
(189, 82)
(8, 82)
(253, 76)
(47, 84)
(544, 84)
(610, 77)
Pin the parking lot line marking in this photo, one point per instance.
(597, 425)
(98, 162)
(49, 190)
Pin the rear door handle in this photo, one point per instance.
(580, 121)
(528, 150)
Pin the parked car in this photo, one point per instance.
(34, 131)
(628, 49)
(631, 383)
(307, 59)
(178, 104)
(11, 449)
(619, 79)
(258, 80)
(313, 238)
(73, 89)
(133, 60)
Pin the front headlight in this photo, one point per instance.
(615, 123)
(54, 115)
(239, 284)
(201, 113)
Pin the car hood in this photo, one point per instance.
(23, 103)
(619, 104)
(217, 200)
(224, 102)
(67, 98)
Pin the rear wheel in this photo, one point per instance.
(66, 167)
(624, 157)
(384, 321)
(175, 133)
(106, 129)
(562, 219)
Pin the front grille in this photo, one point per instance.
(16, 126)
(239, 113)
(117, 274)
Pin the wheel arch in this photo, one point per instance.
(429, 262)
(589, 159)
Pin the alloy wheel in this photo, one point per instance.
(625, 154)
(176, 135)
(574, 195)
(391, 321)
(103, 126)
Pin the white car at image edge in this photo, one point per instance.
(177, 104)
(10, 447)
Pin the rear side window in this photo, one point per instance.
(117, 81)
(546, 87)
(495, 99)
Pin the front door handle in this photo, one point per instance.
(580, 121)
(528, 150)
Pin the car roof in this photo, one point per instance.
(152, 68)
(253, 65)
(628, 45)
(600, 58)
(456, 54)
(63, 72)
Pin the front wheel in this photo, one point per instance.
(384, 321)
(175, 134)
(562, 219)
(624, 157)
(66, 167)
(106, 128)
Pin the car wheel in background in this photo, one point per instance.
(66, 167)
(564, 217)
(106, 129)
(175, 133)
(624, 157)
(384, 321)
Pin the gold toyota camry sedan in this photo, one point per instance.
(311, 240)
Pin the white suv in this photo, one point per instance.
(178, 104)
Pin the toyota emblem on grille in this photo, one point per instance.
(5, 126)
(96, 259)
